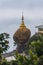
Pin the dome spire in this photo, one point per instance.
(22, 23)
(22, 16)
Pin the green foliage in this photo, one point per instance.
(0, 57)
(31, 59)
(36, 49)
(36, 44)
(5, 63)
(21, 60)
(3, 43)
(13, 62)
(41, 60)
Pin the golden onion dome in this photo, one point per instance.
(22, 34)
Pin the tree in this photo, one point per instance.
(36, 43)
(3, 43)
(36, 46)
(41, 60)
(31, 59)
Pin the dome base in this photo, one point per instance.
(21, 48)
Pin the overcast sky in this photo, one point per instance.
(11, 13)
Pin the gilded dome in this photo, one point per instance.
(22, 34)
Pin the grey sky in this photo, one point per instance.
(21, 3)
(11, 13)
